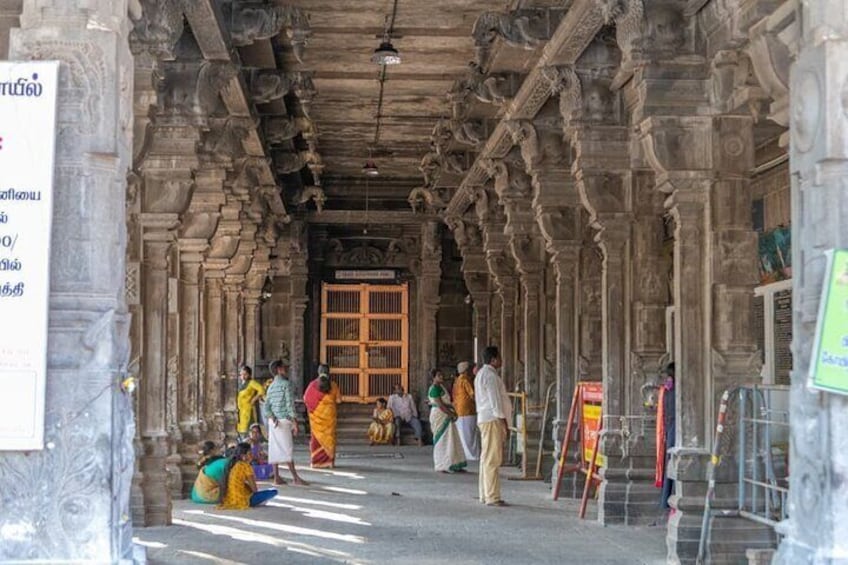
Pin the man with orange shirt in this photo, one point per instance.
(466, 410)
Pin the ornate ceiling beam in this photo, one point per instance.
(576, 30)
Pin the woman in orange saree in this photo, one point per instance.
(321, 398)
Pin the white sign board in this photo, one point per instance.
(374, 274)
(27, 145)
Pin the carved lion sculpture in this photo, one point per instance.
(251, 23)
(485, 87)
(424, 199)
(314, 193)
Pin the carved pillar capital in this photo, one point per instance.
(156, 28)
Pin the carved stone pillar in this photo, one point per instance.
(477, 283)
(252, 300)
(428, 297)
(560, 226)
(213, 407)
(88, 347)
(9, 13)
(816, 529)
(501, 264)
(507, 293)
(299, 277)
(476, 275)
(231, 360)
(715, 253)
(190, 409)
(154, 366)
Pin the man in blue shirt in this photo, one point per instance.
(282, 422)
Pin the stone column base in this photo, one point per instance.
(155, 505)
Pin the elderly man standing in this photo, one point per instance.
(466, 411)
(494, 412)
(403, 407)
(282, 422)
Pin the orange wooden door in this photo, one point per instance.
(365, 338)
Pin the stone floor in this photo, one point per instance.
(387, 505)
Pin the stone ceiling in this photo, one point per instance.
(332, 91)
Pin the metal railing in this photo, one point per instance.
(763, 453)
(757, 434)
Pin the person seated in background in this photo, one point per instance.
(238, 489)
(403, 407)
(382, 429)
(257, 445)
(207, 485)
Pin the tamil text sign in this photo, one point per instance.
(27, 142)
(829, 364)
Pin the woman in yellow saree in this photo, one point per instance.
(251, 392)
(321, 398)
(382, 429)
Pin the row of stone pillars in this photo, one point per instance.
(629, 142)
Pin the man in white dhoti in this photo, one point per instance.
(282, 423)
(466, 410)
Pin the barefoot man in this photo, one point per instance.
(282, 423)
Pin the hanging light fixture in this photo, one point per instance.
(386, 54)
(370, 169)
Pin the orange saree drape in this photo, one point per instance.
(322, 423)
(659, 474)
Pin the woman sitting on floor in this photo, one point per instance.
(211, 466)
(239, 490)
(382, 429)
(258, 453)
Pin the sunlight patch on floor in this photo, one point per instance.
(339, 505)
(150, 544)
(248, 536)
(321, 514)
(333, 472)
(212, 558)
(345, 490)
(297, 530)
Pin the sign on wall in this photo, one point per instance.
(27, 144)
(366, 275)
(829, 364)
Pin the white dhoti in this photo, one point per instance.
(467, 427)
(280, 442)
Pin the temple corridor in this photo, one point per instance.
(223, 203)
(387, 505)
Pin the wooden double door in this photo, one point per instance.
(365, 338)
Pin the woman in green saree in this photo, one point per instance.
(448, 456)
(207, 485)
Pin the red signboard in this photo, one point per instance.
(591, 399)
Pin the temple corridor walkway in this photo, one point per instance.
(387, 506)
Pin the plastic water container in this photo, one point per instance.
(263, 472)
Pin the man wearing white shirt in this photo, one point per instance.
(494, 412)
(403, 407)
